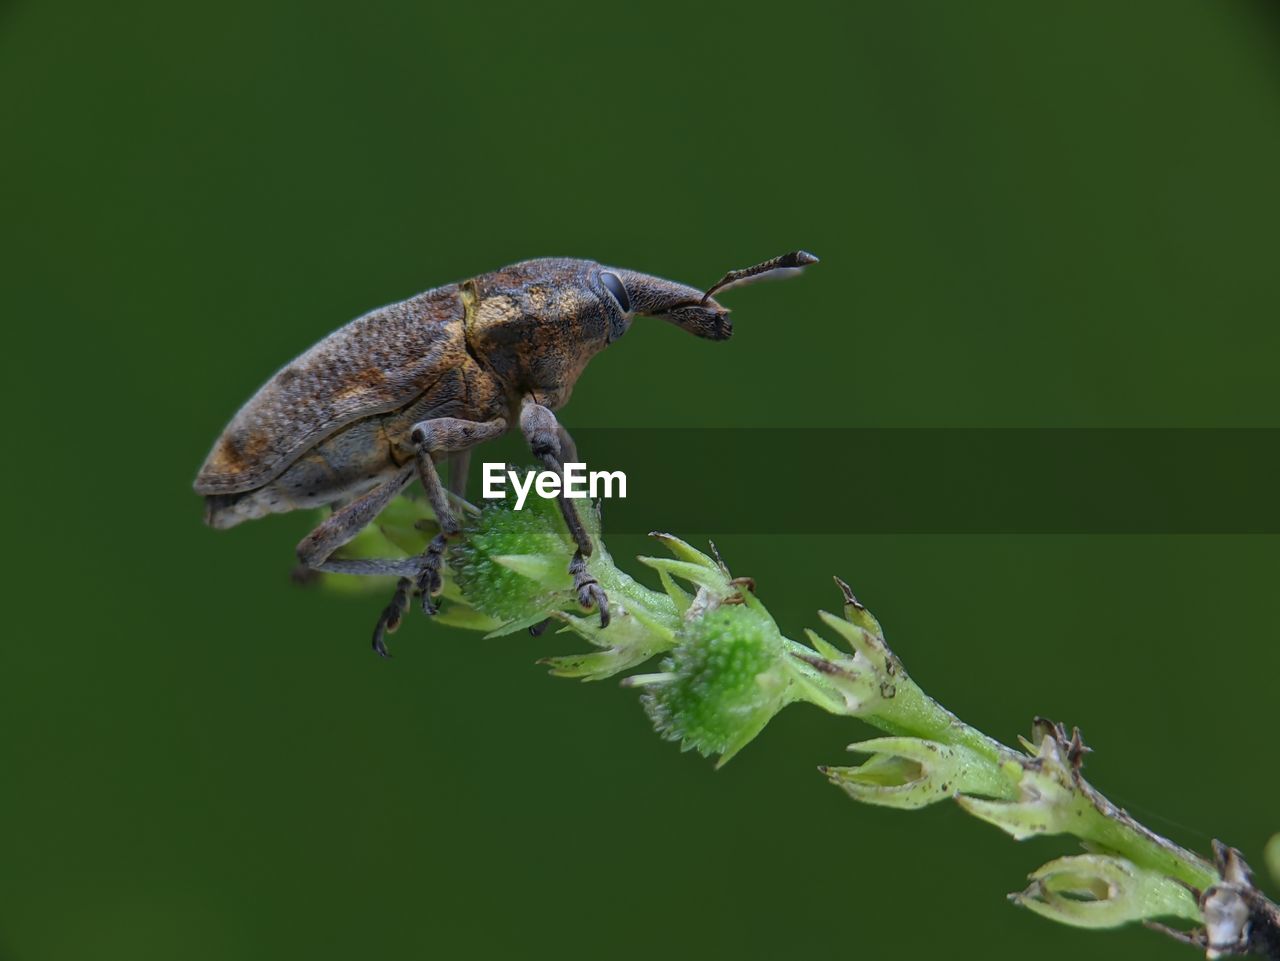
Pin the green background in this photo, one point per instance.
(1029, 215)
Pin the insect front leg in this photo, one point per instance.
(568, 449)
(546, 439)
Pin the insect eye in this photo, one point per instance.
(617, 289)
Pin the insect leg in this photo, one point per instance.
(568, 449)
(443, 435)
(344, 524)
(459, 464)
(544, 435)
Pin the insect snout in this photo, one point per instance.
(710, 321)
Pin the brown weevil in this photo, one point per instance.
(354, 420)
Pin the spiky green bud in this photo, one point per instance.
(514, 565)
(726, 678)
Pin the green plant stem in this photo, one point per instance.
(727, 670)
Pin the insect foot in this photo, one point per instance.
(391, 616)
(590, 593)
(429, 581)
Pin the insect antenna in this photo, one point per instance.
(784, 265)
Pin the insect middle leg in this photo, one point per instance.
(459, 465)
(443, 435)
(440, 435)
(548, 440)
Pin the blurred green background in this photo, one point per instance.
(1029, 215)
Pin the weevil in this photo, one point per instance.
(350, 423)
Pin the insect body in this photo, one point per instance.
(379, 402)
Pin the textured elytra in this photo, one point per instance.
(374, 364)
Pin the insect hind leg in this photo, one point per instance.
(421, 573)
(342, 525)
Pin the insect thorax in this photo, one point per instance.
(537, 335)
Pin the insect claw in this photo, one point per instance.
(392, 614)
(429, 580)
(379, 633)
(590, 593)
(537, 630)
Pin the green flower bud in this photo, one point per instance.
(1050, 798)
(909, 772)
(1101, 891)
(514, 565)
(728, 675)
(636, 633)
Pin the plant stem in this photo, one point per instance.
(727, 670)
